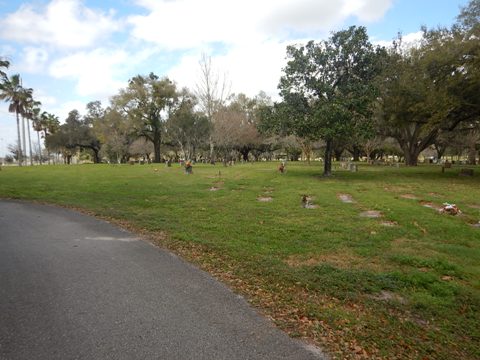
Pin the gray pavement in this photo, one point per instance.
(74, 287)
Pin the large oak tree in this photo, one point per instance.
(328, 89)
(430, 89)
(149, 102)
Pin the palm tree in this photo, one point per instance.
(38, 126)
(11, 91)
(26, 99)
(32, 107)
(3, 64)
(50, 124)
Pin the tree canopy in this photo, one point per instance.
(148, 101)
(328, 89)
(338, 95)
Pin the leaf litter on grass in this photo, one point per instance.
(347, 326)
(388, 223)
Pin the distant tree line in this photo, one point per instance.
(28, 115)
(341, 95)
(153, 120)
(353, 95)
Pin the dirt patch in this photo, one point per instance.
(264, 198)
(240, 188)
(371, 214)
(409, 196)
(389, 296)
(430, 205)
(389, 223)
(343, 260)
(346, 198)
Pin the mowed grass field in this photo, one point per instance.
(405, 285)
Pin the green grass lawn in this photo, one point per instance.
(405, 285)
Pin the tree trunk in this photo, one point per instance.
(182, 150)
(338, 154)
(156, 147)
(440, 150)
(244, 151)
(472, 155)
(96, 157)
(29, 142)
(39, 148)
(24, 155)
(411, 157)
(368, 153)
(212, 151)
(355, 153)
(19, 145)
(327, 164)
(306, 149)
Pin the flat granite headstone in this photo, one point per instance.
(346, 198)
(409, 196)
(371, 214)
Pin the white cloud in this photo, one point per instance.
(252, 34)
(7, 51)
(33, 59)
(408, 40)
(188, 23)
(248, 67)
(367, 10)
(62, 23)
(8, 130)
(95, 72)
(63, 109)
(412, 37)
(184, 24)
(247, 40)
(46, 100)
(303, 15)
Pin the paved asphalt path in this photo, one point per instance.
(74, 287)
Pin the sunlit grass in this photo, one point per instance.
(410, 289)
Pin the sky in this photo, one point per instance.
(72, 52)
